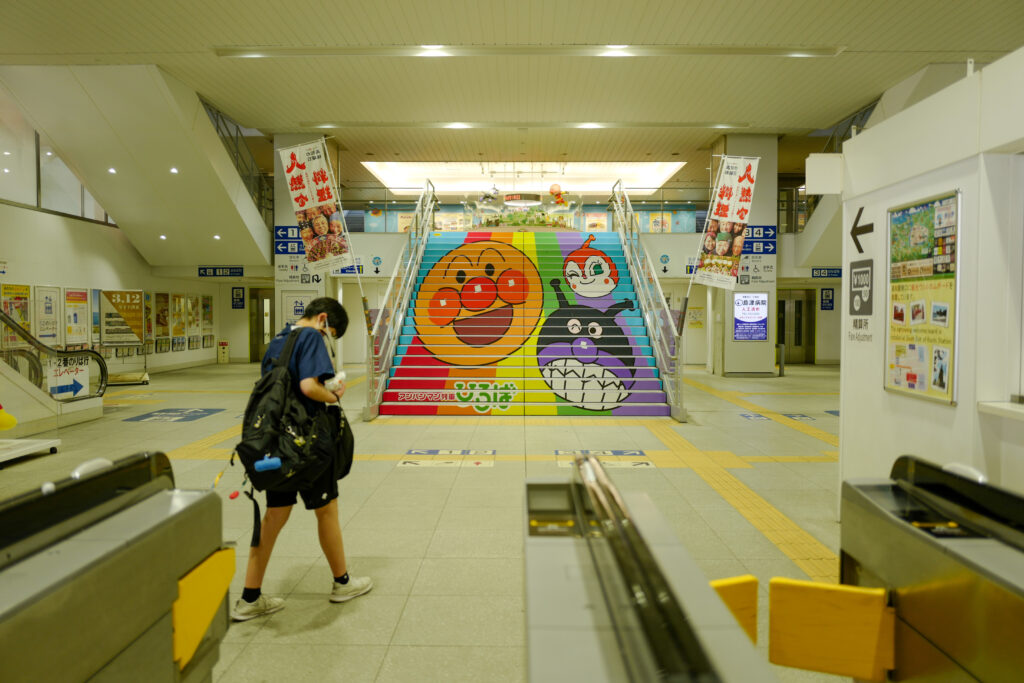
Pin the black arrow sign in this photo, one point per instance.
(858, 230)
(316, 278)
(376, 270)
(664, 269)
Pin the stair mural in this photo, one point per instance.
(524, 323)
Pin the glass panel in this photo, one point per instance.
(93, 210)
(61, 190)
(17, 154)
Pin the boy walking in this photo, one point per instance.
(310, 366)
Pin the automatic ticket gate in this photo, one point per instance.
(112, 575)
(950, 552)
(605, 603)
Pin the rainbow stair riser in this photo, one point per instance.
(524, 324)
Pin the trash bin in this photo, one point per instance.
(223, 354)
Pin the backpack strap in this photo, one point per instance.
(289, 346)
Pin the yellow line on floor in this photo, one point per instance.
(203, 449)
(733, 397)
(812, 556)
(787, 393)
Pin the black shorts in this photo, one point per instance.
(320, 493)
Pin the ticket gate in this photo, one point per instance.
(950, 551)
(112, 575)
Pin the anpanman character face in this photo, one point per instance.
(479, 303)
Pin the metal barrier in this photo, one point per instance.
(26, 354)
(382, 340)
(661, 327)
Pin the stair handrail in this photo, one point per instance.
(382, 340)
(41, 348)
(661, 324)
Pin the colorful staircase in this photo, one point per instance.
(524, 324)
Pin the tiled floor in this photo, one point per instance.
(444, 544)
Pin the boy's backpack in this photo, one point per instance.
(279, 447)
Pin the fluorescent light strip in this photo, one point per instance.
(328, 125)
(793, 51)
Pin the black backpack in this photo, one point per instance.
(281, 445)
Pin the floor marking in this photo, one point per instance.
(733, 397)
(790, 458)
(131, 402)
(787, 393)
(203, 449)
(812, 556)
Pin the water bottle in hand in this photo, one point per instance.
(335, 382)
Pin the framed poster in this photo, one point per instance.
(207, 305)
(76, 316)
(15, 302)
(194, 315)
(921, 329)
(161, 314)
(750, 316)
(47, 315)
(96, 316)
(177, 315)
(121, 320)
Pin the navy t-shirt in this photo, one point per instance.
(309, 359)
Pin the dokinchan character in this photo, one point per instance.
(478, 304)
(583, 354)
(590, 272)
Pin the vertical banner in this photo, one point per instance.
(76, 316)
(726, 226)
(921, 330)
(47, 315)
(121, 314)
(317, 211)
(16, 303)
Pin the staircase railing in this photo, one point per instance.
(661, 324)
(259, 184)
(28, 356)
(382, 340)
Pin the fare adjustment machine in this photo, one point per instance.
(113, 575)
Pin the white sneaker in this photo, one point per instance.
(356, 586)
(244, 611)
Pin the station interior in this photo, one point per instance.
(684, 340)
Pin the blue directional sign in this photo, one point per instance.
(633, 454)
(221, 271)
(753, 416)
(174, 415)
(799, 416)
(827, 272)
(759, 239)
(288, 241)
(72, 388)
(434, 451)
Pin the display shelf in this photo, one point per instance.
(1013, 411)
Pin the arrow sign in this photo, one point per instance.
(73, 388)
(769, 247)
(769, 232)
(281, 232)
(858, 230)
(281, 248)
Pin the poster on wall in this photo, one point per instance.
(317, 212)
(728, 214)
(295, 305)
(147, 313)
(161, 314)
(177, 315)
(595, 222)
(16, 304)
(405, 221)
(76, 316)
(922, 327)
(194, 325)
(47, 315)
(121, 317)
(207, 312)
(750, 316)
(96, 315)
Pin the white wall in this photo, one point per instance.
(948, 141)
(50, 250)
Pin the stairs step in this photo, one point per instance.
(550, 409)
(432, 372)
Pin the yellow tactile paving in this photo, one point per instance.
(203, 449)
(734, 398)
(812, 556)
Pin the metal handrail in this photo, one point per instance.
(382, 340)
(259, 184)
(672, 648)
(41, 348)
(661, 326)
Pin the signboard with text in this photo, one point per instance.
(726, 226)
(121, 317)
(750, 316)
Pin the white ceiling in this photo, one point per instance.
(397, 102)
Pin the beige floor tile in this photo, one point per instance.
(490, 496)
(404, 664)
(469, 620)
(314, 620)
(408, 543)
(469, 576)
(477, 518)
(275, 662)
(476, 543)
(391, 575)
(421, 517)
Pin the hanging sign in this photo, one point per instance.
(121, 317)
(921, 330)
(318, 216)
(725, 230)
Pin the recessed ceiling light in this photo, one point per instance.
(174, 170)
(457, 125)
(216, 237)
(49, 154)
(7, 154)
(163, 237)
(431, 47)
(371, 201)
(393, 201)
(588, 125)
(111, 170)
(7, 170)
(616, 47)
